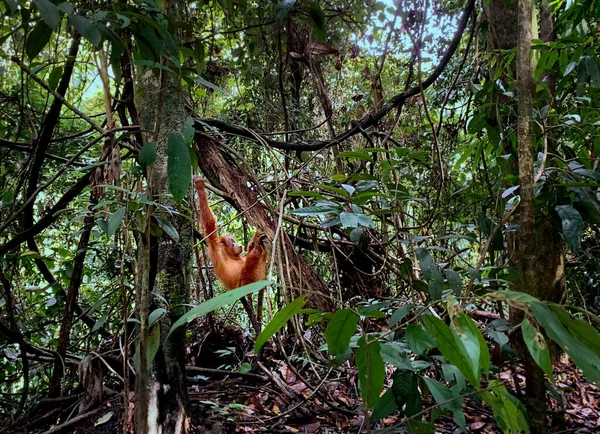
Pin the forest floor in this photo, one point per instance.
(281, 396)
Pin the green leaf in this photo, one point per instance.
(452, 348)
(66, 7)
(283, 9)
(580, 329)
(572, 225)
(419, 340)
(168, 227)
(155, 315)
(583, 357)
(386, 406)
(115, 221)
(49, 13)
(442, 394)
(352, 220)
(218, 302)
(147, 154)
(400, 314)
(392, 355)
(317, 18)
(507, 415)
(279, 320)
(37, 39)
(179, 166)
(311, 211)
(55, 77)
(431, 273)
(454, 281)
(371, 370)
(13, 7)
(188, 130)
(420, 427)
(536, 344)
(465, 325)
(339, 331)
(153, 343)
(87, 29)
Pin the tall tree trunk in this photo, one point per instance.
(527, 246)
(164, 268)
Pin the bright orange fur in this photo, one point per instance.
(230, 267)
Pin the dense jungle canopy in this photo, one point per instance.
(423, 178)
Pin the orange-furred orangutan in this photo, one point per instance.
(231, 268)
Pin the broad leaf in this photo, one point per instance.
(218, 302)
(87, 29)
(572, 225)
(115, 221)
(400, 314)
(168, 227)
(395, 356)
(583, 357)
(339, 331)
(179, 166)
(37, 39)
(431, 273)
(352, 220)
(155, 315)
(452, 348)
(419, 340)
(279, 320)
(153, 343)
(147, 154)
(454, 281)
(536, 344)
(465, 325)
(447, 399)
(49, 13)
(371, 370)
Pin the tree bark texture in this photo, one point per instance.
(225, 174)
(526, 236)
(162, 395)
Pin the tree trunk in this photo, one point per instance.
(526, 237)
(164, 268)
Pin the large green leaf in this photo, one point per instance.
(179, 166)
(400, 314)
(115, 221)
(352, 220)
(87, 29)
(507, 415)
(582, 330)
(147, 154)
(153, 343)
(572, 225)
(466, 327)
(393, 355)
(453, 349)
(371, 370)
(37, 39)
(454, 281)
(49, 13)
(339, 331)
(431, 273)
(419, 339)
(279, 320)
(583, 357)
(447, 399)
(217, 302)
(536, 344)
